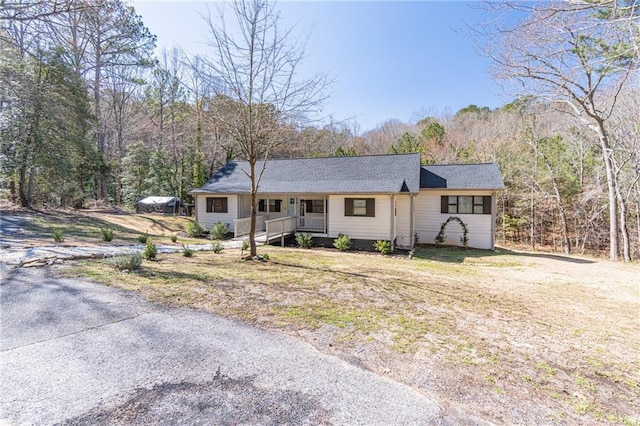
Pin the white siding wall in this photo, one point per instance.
(428, 221)
(403, 220)
(358, 227)
(207, 219)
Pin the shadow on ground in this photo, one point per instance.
(459, 254)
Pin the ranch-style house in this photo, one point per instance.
(377, 197)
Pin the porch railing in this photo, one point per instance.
(280, 226)
(243, 226)
(311, 224)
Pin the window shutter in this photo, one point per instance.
(371, 207)
(261, 206)
(209, 205)
(309, 208)
(348, 206)
(486, 205)
(444, 204)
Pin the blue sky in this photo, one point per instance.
(390, 60)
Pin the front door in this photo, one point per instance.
(291, 207)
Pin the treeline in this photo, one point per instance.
(89, 115)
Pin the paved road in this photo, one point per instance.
(76, 352)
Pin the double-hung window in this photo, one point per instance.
(275, 206)
(360, 207)
(465, 204)
(217, 205)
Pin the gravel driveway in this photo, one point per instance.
(76, 352)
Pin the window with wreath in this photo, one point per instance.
(360, 207)
(465, 204)
(217, 205)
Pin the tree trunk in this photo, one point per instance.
(253, 251)
(626, 247)
(22, 187)
(100, 133)
(612, 190)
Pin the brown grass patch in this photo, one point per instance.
(512, 337)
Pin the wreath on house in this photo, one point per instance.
(441, 237)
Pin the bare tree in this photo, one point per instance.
(29, 10)
(257, 64)
(578, 52)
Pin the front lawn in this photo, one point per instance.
(511, 337)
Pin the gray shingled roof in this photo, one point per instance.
(333, 175)
(461, 176)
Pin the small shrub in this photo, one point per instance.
(186, 251)
(216, 246)
(382, 246)
(304, 240)
(174, 238)
(245, 246)
(195, 230)
(127, 262)
(265, 256)
(342, 243)
(58, 235)
(218, 231)
(106, 233)
(150, 251)
(143, 238)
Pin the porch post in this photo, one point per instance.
(324, 217)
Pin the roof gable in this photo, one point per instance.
(347, 175)
(461, 176)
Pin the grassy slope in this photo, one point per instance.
(512, 337)
(83, 228)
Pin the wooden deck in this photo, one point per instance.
(261, 237)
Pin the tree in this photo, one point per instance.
(581, 53)
(408, 143)
(257, 67)
(44, 122)
(104, 37)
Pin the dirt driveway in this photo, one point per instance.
(81, 353)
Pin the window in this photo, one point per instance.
(217, 205)
(275, 206)
(465, 204)
(360, 207)
(314, 206)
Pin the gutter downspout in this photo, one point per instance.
(494, 195)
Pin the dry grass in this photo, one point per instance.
(514, 338)
(83, 228)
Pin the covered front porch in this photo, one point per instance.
(281, 215)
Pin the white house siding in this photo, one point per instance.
(358, 227)
(428, 221)
(207, 219)
(403, 221)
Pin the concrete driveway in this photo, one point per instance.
(76, 352)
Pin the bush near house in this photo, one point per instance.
(382, 246)
(304, 240)
(195, 230)
(219, 231)
(342, 243)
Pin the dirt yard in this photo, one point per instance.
(507, 336)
